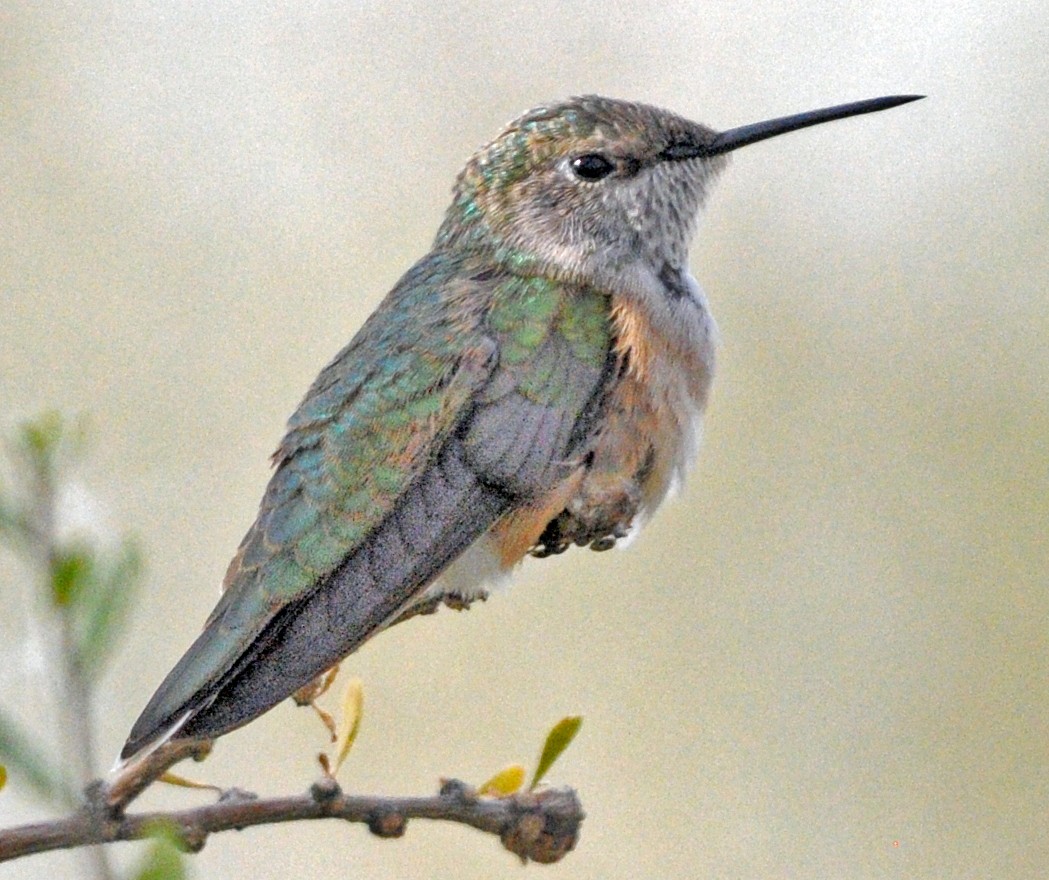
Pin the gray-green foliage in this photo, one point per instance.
(85, 588)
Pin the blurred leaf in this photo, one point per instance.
(105, 607)
(39, 438)
(3, 777)
(350, 721)
(23, 758)
(505, 782)
(72, 569)
(44, 445)
(557, 740)
(163, 859)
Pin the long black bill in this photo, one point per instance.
(735, 138)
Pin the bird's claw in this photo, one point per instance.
(596, 519)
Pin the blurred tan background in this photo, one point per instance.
(828, 657)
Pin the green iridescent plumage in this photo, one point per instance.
(432, 356)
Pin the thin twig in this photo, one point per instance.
(538, 826)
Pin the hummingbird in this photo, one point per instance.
(534, 382)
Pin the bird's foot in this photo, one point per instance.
(308, 694)
(596, 518)
(430, 604)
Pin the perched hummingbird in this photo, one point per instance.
(535, 381)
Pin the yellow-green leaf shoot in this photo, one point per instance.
(557, 740)
(170, 778)
(350, 721)
(505, 783)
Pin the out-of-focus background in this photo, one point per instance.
(828, 657)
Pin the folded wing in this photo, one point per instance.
(463, 396)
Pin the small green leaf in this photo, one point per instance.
(505, 782)
(163, 859)
(350, 722)
(22, 757)
(170, 778)
(45, 445)
(3, 777)
(40, 437)
(72, 569)
(557, 740)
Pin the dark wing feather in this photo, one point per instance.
(438, 517)
(452, 404)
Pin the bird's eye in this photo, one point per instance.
(592, 166)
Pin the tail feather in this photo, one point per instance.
(436, 519)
